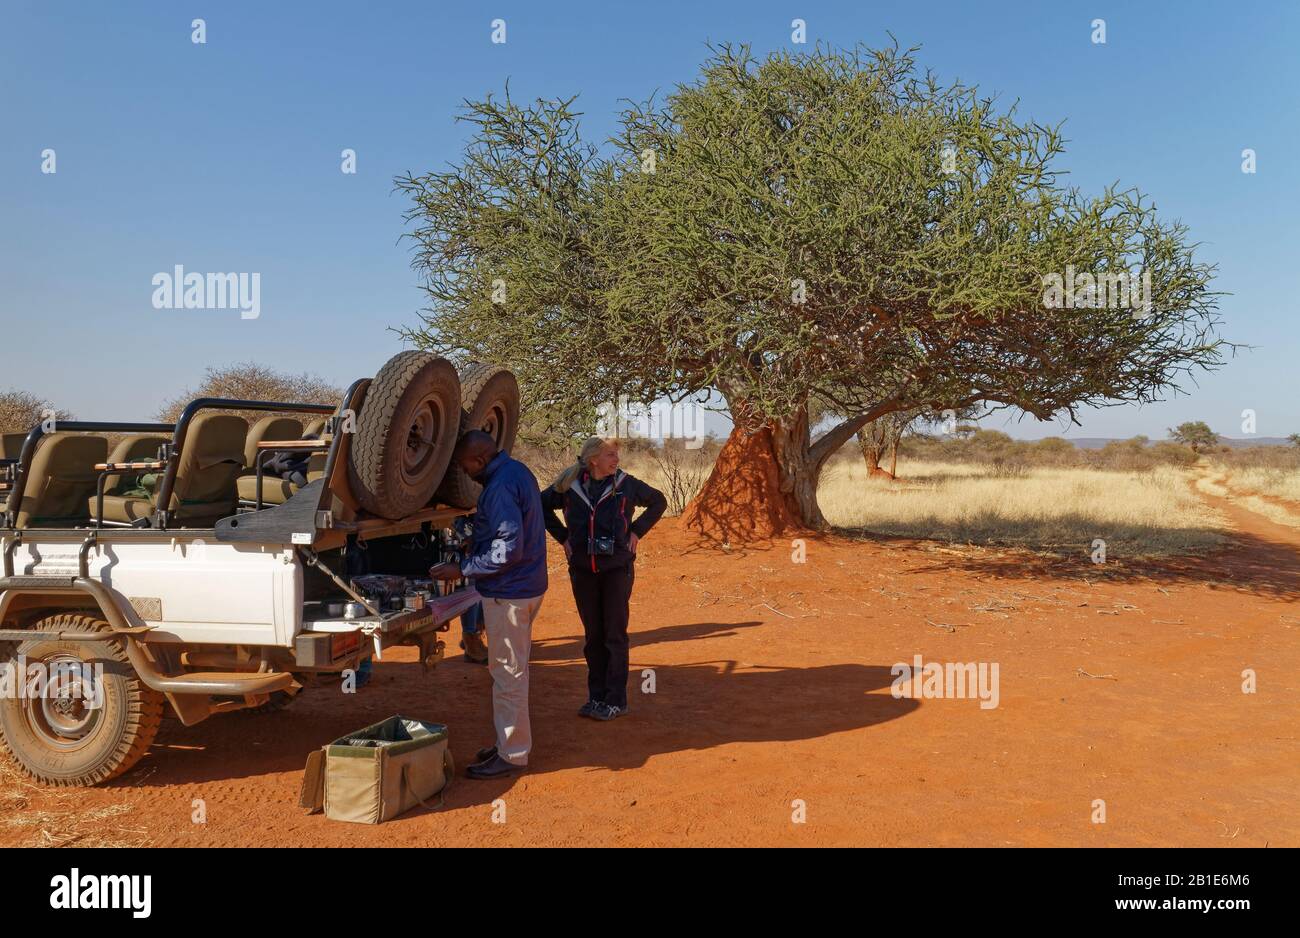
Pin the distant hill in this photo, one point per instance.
(1097, 442)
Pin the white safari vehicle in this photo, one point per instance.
(181, 574)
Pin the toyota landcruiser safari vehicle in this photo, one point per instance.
(213, 565)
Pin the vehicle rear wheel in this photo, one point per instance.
(405, 434)
(489, 401)
(91, 719)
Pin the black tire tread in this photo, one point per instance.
(366, 462)
(458, 489)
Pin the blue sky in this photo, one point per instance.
(226, 157)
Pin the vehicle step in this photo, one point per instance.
(228, 683)
(28, 635)
(37, 582)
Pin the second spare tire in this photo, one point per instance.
(489, 401)
(405, 434)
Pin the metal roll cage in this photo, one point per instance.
(172, 450)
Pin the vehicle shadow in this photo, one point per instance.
(696, 706)
(558, 649)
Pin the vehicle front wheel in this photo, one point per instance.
(82, 715)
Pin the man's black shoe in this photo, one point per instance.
(496, 767)
(484, 755)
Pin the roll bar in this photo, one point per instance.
(164, 496)
(179, 431)
(24, 464)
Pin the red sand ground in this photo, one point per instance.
(1118, 682)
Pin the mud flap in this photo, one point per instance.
(312, 796)
(190, 708)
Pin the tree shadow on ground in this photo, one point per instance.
(1264, 566)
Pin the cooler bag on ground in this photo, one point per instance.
(379, 772)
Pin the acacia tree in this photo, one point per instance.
(824, 226)
(882, 435)
(1194, 433)
(250, 381)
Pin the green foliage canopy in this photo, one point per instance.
(830, 225)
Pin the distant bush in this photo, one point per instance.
(1000, 451)
(252, 382)
(1258, 457)
(1166, 453)
(20, 411)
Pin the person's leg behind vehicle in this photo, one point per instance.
(509, 625)
(471, 631)
(587, 597)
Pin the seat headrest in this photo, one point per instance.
(61, 477)
(270, 427)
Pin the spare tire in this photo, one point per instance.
(405, 434)
(489, 401)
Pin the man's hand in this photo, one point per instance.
(445, 571)
(568, 550)
(632, 541)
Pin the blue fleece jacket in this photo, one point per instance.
(507, 555)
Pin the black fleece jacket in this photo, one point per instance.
(616, 501)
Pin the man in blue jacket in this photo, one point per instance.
(507, 559)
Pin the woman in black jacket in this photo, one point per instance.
(600, 539)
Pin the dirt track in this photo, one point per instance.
(1117, 682)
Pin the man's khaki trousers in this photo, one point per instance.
(509, 627)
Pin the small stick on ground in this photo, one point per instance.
(1098, 677)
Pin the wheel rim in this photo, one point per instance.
(421, 440)
(61, 716)
(494, 424)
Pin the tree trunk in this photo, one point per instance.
(870, 452)
(764, 482)
(763, 485)
(893, 459)
(872, 446)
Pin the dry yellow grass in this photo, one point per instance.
(1241, 485)
(1282, 483)
(63, 820)
(1059, 510)
(1146, 513)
